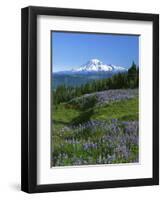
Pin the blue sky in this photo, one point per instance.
(71, 50)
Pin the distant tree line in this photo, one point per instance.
(129, 79)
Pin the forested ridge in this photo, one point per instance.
(129, 79)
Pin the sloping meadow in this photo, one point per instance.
(97, 128)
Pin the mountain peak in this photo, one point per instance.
(95, 61)
(95, 65)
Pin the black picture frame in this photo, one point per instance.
(29, 99)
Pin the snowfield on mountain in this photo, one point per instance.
(95, 65)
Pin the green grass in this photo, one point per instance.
(64, 115)
(61, 115)
(125, 110)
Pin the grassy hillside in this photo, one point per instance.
(89, 130)
(66, 115)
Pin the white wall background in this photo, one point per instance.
(10, 85)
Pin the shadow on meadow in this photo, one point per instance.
(84, 117)
(86, 106)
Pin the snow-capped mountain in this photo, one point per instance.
(95, 65)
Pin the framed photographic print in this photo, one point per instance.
(90, 99)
